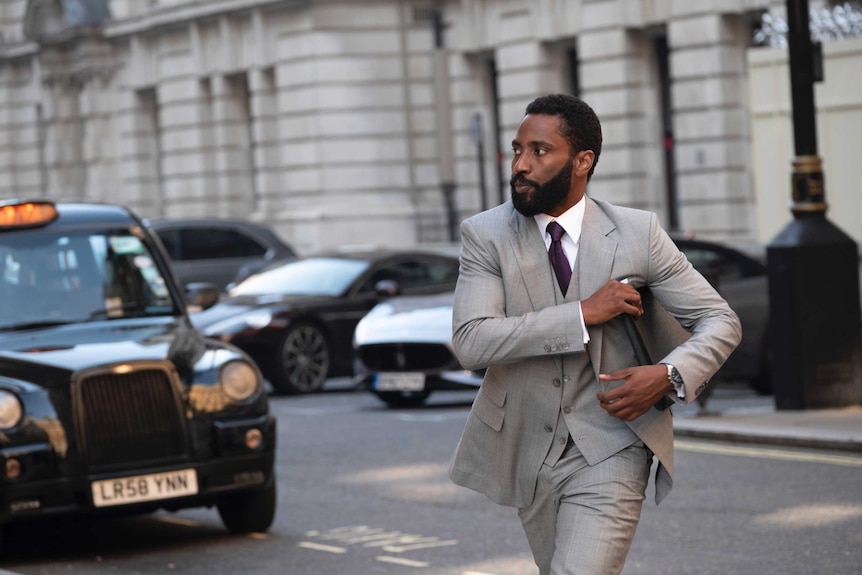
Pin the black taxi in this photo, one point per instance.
(110, 401)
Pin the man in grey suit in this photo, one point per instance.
(567, 421)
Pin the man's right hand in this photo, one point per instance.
(612, 299)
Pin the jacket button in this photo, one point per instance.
(566, 379)
(556, 382)
(548, 428)
(562, 441)
(567, 409)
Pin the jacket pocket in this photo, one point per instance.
(493, 390)
(488, 411)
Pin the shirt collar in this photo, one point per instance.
(572, 220)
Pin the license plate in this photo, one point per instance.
(398, 381)
(138, 488)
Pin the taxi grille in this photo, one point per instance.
(134, 416)
(407, 357)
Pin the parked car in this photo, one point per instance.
(404, 350)
(742, 280)
(218, 250)
(296, 318)
(110, 400)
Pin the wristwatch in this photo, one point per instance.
(673, 377)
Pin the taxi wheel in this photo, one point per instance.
(304, 361)
(403, 398)
(248, 512)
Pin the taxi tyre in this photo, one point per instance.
(403, 398)
(251, 512)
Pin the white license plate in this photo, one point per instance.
(400, 381)
(138, 488)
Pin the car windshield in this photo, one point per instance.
(52, 278)
(312, 276)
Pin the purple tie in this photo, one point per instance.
(562, 269)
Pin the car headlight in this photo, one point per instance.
(11, 411)
(239, 380)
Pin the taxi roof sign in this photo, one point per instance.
(19, 214)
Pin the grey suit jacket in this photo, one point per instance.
(506, 318)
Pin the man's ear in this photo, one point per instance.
(583, 161)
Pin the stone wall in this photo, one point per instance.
(839, 131)
(335, 120)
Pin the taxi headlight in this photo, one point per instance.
(239, 380)
(11, 411)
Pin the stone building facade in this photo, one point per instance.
(371, 121)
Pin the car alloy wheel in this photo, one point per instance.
(304, 359)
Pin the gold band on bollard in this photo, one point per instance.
(806, 185)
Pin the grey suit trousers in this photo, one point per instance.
(583, 518)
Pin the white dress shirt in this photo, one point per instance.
(572, 221)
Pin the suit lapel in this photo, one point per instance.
(596, 253)
(532, 259)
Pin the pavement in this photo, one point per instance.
(736, 413)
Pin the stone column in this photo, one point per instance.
(63, 154)
(233, 145)
(265, 135)
(618, 79)
(20, 136)
(713, 148)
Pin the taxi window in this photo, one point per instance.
(78, 276)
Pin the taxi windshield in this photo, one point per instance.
(51, 278)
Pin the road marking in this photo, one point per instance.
(401, 561)
(4, 572)
(319, 547)
(764, 453)
(427, 544)
(389, 541)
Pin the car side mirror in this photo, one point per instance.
(201, 296)
(387, 288)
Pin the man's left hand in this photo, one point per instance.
(643, 386)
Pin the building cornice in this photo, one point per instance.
(171, 16)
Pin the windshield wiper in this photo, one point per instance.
(137, 308)
(34, 325)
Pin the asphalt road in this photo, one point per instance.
(363, 490)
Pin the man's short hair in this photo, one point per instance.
(580, 126)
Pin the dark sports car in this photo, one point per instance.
(296, 318)
(110, 401)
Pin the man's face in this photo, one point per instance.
(541, 167)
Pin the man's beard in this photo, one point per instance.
(545, 197)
